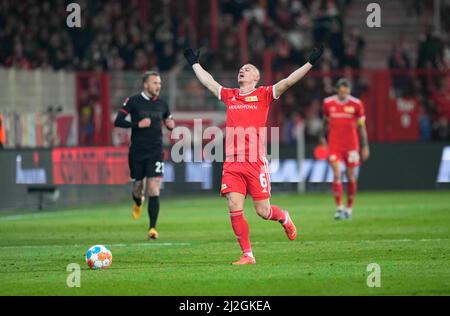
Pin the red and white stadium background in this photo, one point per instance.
(86, 104)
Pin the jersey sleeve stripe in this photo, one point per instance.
(356, 100)
(124, 111)
(219, 93)
(274, 92)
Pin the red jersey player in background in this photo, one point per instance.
(344, 119)
(245, 170)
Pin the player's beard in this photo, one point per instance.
(154, 93)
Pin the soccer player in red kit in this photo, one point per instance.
(245, 170)
(344, 119)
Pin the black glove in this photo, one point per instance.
(192, 57)
(315, 55)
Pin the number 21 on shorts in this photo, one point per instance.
(159, 167)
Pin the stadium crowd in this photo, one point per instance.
(116, 36)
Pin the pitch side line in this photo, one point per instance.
(256, 242)
(167, 244)
(356, 241)
(43, 215)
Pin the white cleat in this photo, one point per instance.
(340, 214)
(348, 213)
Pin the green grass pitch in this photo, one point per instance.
(407, 234)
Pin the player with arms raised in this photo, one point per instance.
(245, 170)
(344, 124)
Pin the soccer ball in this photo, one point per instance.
(98, 257)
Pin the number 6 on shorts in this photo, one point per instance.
(263, 180)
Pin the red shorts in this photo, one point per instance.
(350, 157)
(251, 178)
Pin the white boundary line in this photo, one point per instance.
(358, 241)
(167, 244)
(50, 214)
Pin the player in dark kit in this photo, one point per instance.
(146, 158)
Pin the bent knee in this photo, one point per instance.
(263, 211)
(138, 189)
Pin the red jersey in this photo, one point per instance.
(343, 117)
(246, 121)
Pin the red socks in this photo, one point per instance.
(351, 192)
(241, 230)
(276, 215)
(337, 191)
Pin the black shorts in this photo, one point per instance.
(145, 166)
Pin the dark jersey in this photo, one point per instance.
(144, 141)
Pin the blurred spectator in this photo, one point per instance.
(313, 123)
(441, 129)
(430, 52)
(399, 62)
(355, 42)
(291, 126)
(414, 6)
(425, 125)
(398, 59)
(86, 126)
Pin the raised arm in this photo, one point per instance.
(282, 86)
(205, 77)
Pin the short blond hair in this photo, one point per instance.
(149, 74)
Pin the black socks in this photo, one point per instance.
(153, 210)
(138, 201)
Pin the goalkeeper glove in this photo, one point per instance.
(192, 57)
(315, 55)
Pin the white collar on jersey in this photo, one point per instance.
(342, 101)
(146, 97)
